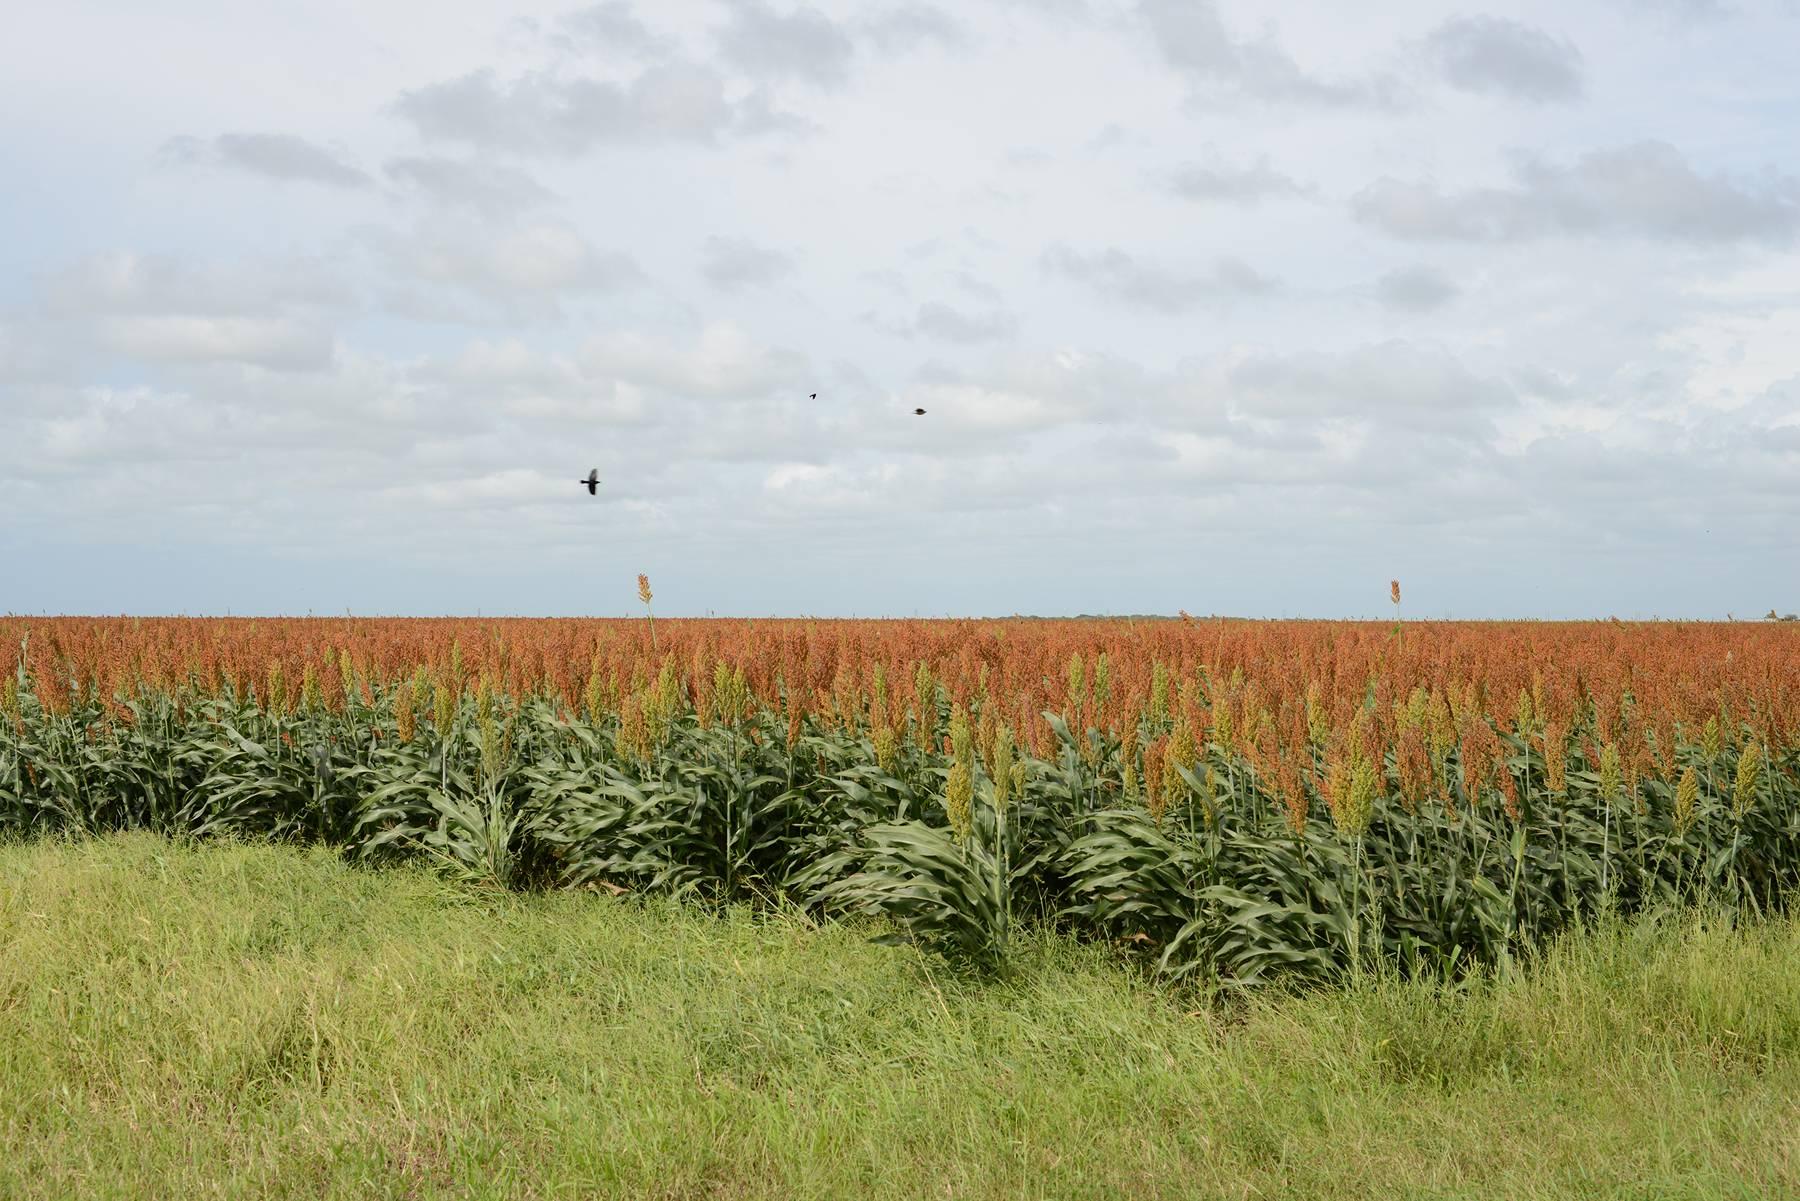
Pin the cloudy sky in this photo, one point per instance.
(1225, 306)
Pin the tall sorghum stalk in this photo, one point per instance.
(1610, 775)
(1743, 793)
(644, 595)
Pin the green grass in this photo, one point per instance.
(244, 1021)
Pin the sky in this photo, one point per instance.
(1212, 305)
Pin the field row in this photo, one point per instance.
(1355, 794)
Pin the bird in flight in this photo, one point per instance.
(918, 412)
(812, 396)
(592, 481)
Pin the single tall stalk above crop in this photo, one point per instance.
(644, 595)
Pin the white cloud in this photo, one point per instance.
(487, 188)
(1502, 305)
(1416, 289)
(670, 102)
(732, 264)
(1193, 39)
(940, 321)
(1506, 57)
(723, 362)
(277, 156)
(525, 272)
(1644, 189)
(800, 43)
(266, 342)
(1166, 289)
(1219, 181)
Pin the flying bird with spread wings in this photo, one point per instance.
(592, 481)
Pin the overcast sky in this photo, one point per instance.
(1233, 307)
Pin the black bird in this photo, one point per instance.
(812, 396)
(592, 481)
(918, 412)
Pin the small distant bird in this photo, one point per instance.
(592, 481)
(918, 412)
(812, 396)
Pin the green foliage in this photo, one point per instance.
(243, 1020)
(1226, 879)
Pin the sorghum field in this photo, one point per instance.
(1226, 801)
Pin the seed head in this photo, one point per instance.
(1223, 726)
(421, 689)
(1509, 794)
(444, 703)
(1358, 807)
(1749, 774)
(277, 698)
(1159, 693)
(593, 697)
(887, 748)
(634, 735)
(1687, 797)
(1412, 760)
(1077, 683)
(492, 750)
(403, 712)
(1179, 754)
(959, 795)
(1003, 768)
(1153, 778)
(1611, 773)
(1318, 720)
(1556, 757)
(1522, 715)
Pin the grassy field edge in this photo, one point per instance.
(251, 1020)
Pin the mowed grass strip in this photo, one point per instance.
(256, 1021)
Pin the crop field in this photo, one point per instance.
(1223, 801)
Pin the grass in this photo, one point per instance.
(253, 1021)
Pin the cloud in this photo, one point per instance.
(485, 188)
(448, 271)
(1498, 56)
(277, 156)
(612, 27)
(1683, 10)
(673, 102)
(732, 264)
(280, 343)
(723, 363)
(483, 287)
(128, 283)
(1216, 181)
(909, 25)
(1416, 289)
(1646, 189)
(802, 44)
(1192, 38)
(277, 314)
(1118, 275)
(1397, 385)
(945, 324)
